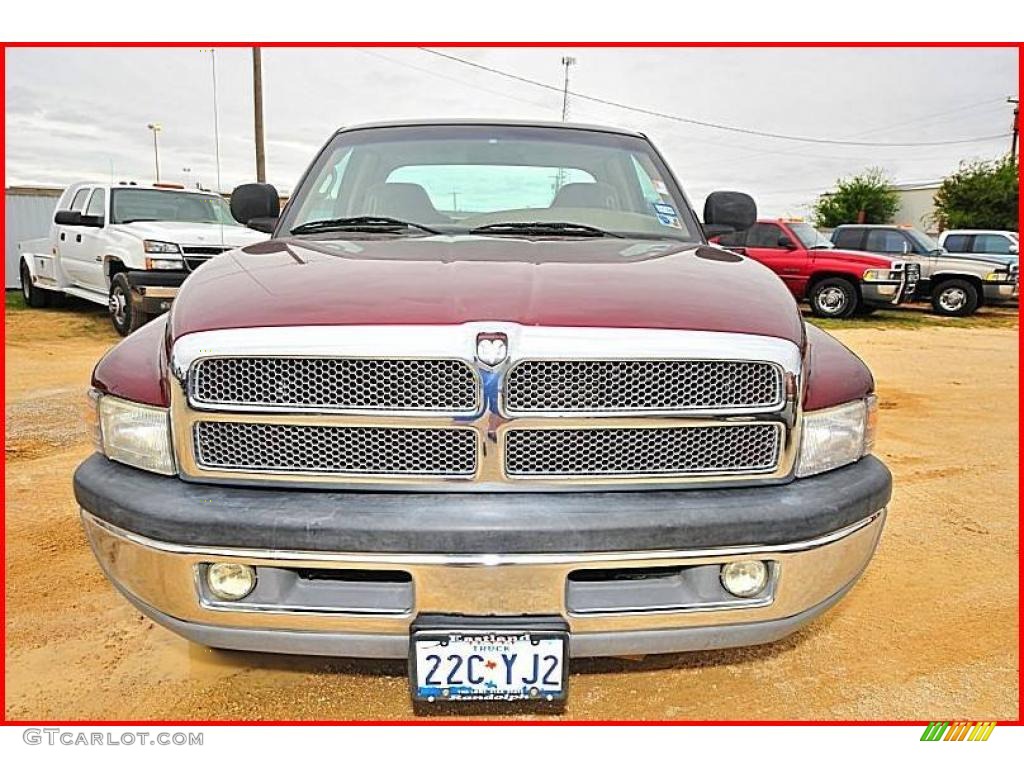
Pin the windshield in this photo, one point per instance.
(923, 241)
(457, 179)
(128, 205)
(809, 237)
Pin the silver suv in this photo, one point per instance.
(955, 285)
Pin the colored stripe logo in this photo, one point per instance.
(959, 731)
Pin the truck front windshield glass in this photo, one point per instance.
(458, 179)
(809, 237)
(128, 205)
(923, 241)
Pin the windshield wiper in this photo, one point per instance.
(541, 228)
(360, 224)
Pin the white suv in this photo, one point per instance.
(982, 243)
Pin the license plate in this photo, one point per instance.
(488, 665)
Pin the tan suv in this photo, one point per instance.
(956, 286)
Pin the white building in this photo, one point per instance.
(28, 212)
(917, 206)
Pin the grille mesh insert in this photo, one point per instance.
(338, 450)
(642, 451)
(539, 386)
(335, 383)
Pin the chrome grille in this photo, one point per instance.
(197, 255)
(258, 447)
(539, 386)
(313, 383)
(719, 449)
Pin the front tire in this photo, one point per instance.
(834, 297)
(34, 297)
(125, 314)
(955, 298)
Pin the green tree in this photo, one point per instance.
(980, 195)
(867, 198)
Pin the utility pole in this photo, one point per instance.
(156, 128)
(216, 117)
(257, 100)
(567, 61)
(1016, 126)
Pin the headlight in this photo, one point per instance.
(833, 437)
(997, 277)
(158, 246)
(871, 275)
(164, 263)
(135, 434)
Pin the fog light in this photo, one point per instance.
(745, 578)
(230, 581)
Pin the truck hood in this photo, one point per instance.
(191, 233)
(866, 258)
(976, 262)
(445, 280)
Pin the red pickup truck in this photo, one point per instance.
(836, 283)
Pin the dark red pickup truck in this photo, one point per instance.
(836, 283)
(541, 422)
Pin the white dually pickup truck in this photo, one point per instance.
(127, 246)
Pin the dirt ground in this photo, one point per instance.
(929, 633)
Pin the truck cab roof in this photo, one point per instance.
(489, 122)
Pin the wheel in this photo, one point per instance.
(955, 298)
(125, 314)
(34, 297)
(834, 297)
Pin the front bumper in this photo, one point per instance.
(1000, 293)
(528, 555)
(156, 289)
(887, 292)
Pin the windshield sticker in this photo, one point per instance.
(667, 215)
(659, 187)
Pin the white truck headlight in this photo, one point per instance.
(159, 246)
(834, 437)
(168, 255)
(152, 263)
(135, 434)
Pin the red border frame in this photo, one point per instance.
(456, 44)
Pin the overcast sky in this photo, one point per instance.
(82, 113)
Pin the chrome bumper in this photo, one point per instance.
(164, 581)
(996, 292)
(883, 292)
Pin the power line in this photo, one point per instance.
(932, 115)
(375, 54)
(707, 124)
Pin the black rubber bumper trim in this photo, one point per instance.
(171, 510)
(156, 278)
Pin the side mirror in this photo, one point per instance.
(735, 210)
(90, 221)
(1014, 248)
(785, 241)
(257, 206)
(68, 218)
